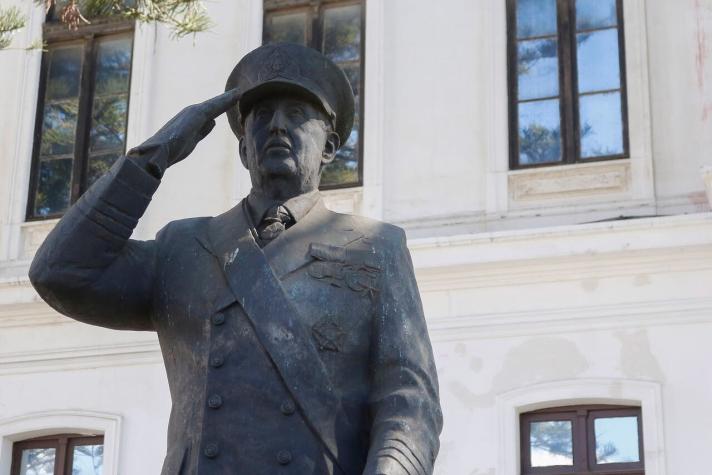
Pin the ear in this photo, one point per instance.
(243, 153)
(330, 147)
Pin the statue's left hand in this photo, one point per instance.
(179, 137)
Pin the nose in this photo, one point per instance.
(278, 123)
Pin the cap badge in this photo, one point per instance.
(278, 65)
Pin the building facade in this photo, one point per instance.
(549, 161)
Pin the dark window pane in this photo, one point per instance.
(88, 460)
(59, 127)
(617, 440)
(551, 443)
(536, 18)
(538, 69)
(53, 186)
(37, 462)
(342, 33)
(288, 28)
(113, 64)
(598, 65)
(353, 72)
(539, 132)
(108, 129)
(65, 70)
(595, 14)
(601, 125)
(99, 165)
(344, 169)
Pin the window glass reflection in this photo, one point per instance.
(536, 18)
(107, 136)
(601, 125)
(53, 186)
(37, 462)
(538, 69)
(65, 69)
(286, 28)
(342, 33)
(344, 168)
(109, 123)
(59, 128)
(353, 73)
(113, 66)
(617, 440)
(539, 132)
(595, 14)
(88, 460)
(99, 165)
(551, 443)
(598, 65)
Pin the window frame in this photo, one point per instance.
(582, 418)
(314, 31)
(55, 33)
(62, 443)
(569, 95)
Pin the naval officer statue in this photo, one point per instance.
(293, 337)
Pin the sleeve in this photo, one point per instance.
(404, 401)
(88, 268)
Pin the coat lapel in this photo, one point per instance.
(290, 251)
(252, 276)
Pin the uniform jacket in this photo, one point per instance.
(309, 356)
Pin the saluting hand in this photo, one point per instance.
(179, 137)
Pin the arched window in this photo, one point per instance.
(574, 440)
(65, 454)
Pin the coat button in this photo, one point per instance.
(215, 401)
(287, 407)
(217, 361)
(218, 319)
(211, 450)
(284, 457)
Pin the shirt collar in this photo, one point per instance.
(298, 206)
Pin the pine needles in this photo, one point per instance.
(184, 17)
(11, 20)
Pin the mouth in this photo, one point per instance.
(278, 145)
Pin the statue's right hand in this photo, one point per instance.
(179, 137)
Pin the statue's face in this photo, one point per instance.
(287, 140)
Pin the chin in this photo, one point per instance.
(283, 167)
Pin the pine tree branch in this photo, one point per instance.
(183, 17)
(11, 20)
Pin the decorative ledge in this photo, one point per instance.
(344, 200)
(33, 234)
(569, 182)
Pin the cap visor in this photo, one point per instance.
(276, 88)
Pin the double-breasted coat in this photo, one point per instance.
(308, 356)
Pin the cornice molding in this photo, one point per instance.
(84, 357)
(571, 319)
(27, 315)
(560, 269)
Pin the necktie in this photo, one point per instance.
(275, 221)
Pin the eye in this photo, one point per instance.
(261, 112)
(296, 112)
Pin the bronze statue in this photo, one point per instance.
(293, 337)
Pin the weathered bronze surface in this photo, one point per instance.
(293, 337)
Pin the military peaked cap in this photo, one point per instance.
(293, 68)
